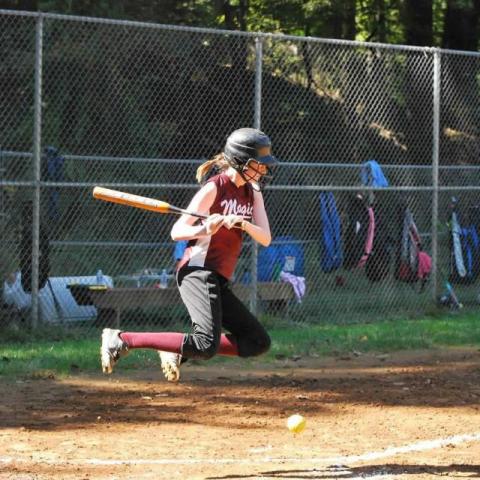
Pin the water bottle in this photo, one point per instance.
(99, 277)
(164, 279)
(277, 269)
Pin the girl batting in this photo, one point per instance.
(233, 201)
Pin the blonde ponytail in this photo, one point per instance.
(218, 163)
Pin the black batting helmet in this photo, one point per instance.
(247, 144)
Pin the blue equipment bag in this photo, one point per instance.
(331, 244)
(464, 247)
(284, 254)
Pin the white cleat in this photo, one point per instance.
(171, 365)
(113, 347)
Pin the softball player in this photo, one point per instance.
(233, 201)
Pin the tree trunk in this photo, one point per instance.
(460, 26)
(349, 24)
(229, 13)
(307, 61)
(418, 22)
(381, 21)
(242, 15)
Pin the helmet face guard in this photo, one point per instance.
(262, 173)
(249, 150)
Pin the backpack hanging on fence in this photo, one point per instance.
(464, 248)
(377, 266)
(365, 240)
(355, 231)
(413, 264)
(376, 256)
(332, 255)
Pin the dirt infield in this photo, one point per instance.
(402, 416)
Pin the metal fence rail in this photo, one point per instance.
(138, 107)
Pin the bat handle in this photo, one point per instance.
(197, 215)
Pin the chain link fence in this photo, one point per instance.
(137, 107)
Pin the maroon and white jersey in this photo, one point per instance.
(220, 252)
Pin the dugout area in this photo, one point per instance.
(409, 415)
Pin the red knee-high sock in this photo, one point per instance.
(166, 341)
(172, 342)
(228, 346)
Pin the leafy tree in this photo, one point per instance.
(379, 21)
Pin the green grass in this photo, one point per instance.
(378, 337)
(72, 354)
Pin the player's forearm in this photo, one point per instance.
(188, 232)
(259, 234)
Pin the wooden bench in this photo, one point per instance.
(119, 299)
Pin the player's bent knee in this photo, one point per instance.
(208, 352)
(208, 349)
(257, 347)
(201, 348)
(264, 345)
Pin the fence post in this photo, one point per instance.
(435, 167)
(37, 130)
(257, 120)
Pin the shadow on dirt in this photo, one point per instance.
(369, 471)
(233, 396)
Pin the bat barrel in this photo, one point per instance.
(131, 200)
(137, 201)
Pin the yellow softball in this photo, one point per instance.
(296, 423)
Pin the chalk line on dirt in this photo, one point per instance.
(339, 460)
